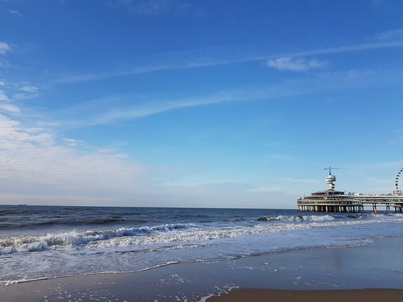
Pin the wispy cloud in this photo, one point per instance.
(150, 7)
(150, 107)
(216, 57)
(3, 96)
(9, 108)
(13, 136)
(25, 92)
(37, 167)
(34, 163)
(5, 105)
(4, 48)
(295, 64)
(10, 93)
(114, 108)
(29, 88)
(15, 12)
(391, 35)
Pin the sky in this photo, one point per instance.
(184, 103)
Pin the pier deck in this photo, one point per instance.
(353, 203)
(387, 201)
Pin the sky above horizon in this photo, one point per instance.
(180, 103)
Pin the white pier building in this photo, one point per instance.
(331, 200)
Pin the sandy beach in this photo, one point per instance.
(261, 295)
(368, 273)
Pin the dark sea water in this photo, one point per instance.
(49, 241)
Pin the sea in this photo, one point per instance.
(39, 242)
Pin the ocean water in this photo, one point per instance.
(48, 241)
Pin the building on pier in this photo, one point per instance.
(332, 200)
(329, 200)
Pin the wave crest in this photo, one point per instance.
(299, 218)
(75, 239)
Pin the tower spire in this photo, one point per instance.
(330, 179)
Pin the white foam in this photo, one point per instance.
(10, 282)
(136, 249)
(221, 291)
(124, 237)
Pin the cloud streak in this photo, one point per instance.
(391, 35)
(152, 7)
(196, 59)
(15, 12)
(295, 64)
(322, 81)
(147, 108)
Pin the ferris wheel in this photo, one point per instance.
(397, 190)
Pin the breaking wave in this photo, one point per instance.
(180, 233)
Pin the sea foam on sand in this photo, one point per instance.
(311, 275)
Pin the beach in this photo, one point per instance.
(258, 295)
(372, 272)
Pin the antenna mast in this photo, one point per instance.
(330, 170)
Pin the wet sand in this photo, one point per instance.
(308, 275)
(261, 295)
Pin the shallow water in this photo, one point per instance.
(37, 242)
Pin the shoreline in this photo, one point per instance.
(377, 268)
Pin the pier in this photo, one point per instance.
(379, 202)
(360, 203)
(334, 201)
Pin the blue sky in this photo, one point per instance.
(186, 103)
